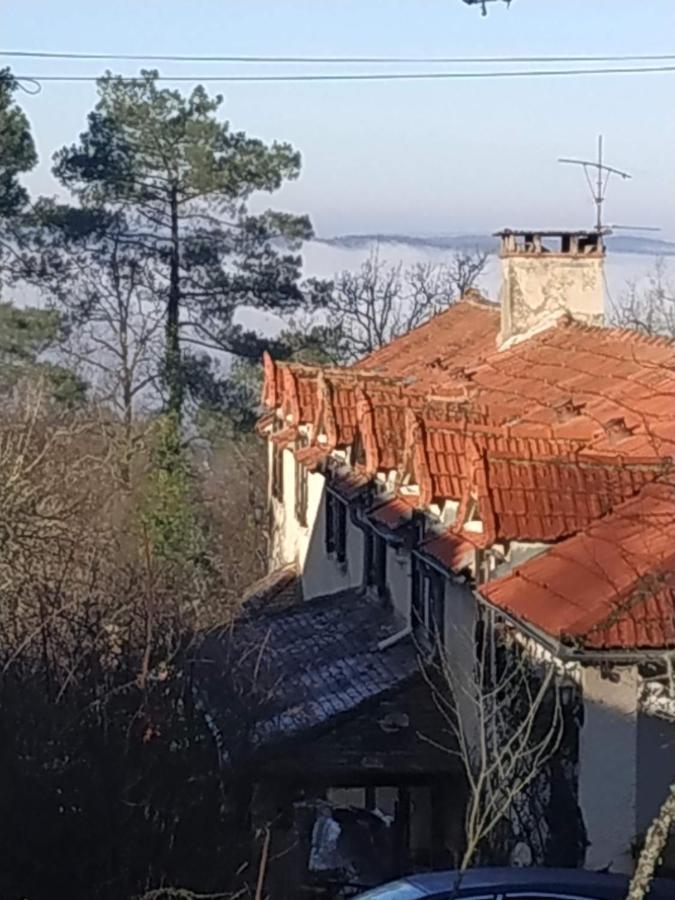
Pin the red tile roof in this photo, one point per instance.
(311, 456)
(394, 513)
(350, 484)
(545, 437)
(461, 335)
(450, 550)
(576, 382)
(284, 436)
(611, 587)
(545, 388)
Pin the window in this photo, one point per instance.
(278, 472)
(357, 456)
(428, 602)
(336, 527)
(301, 493)
(375, 558)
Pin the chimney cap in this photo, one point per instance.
(550, 232)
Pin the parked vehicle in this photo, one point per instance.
(515, 884)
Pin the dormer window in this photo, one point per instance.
(301, 493)
(428, 604)
(336, 527)
(473, 521)
(278, 472)
(409, 479)
(375, 561)
(357, 456)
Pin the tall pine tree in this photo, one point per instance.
(183, 179)
(17, 155)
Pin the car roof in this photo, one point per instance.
(510, 879)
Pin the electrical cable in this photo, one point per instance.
(337, 60)
(363, 76)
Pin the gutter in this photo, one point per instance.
(578, 655)
(407, 629)
(396, 637)
(435, 564)
(562, 651)
(358, 522)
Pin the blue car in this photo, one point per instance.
(515, 884)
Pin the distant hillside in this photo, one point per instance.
(617, 243)
(632, 243)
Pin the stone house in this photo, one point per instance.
(508, 463)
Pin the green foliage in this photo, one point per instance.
(324, 345)
(227, 405)
(169, 515)
(64, 386)
(182, 178)
(17, 149)
(25, 335)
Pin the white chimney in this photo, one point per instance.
(546, 274)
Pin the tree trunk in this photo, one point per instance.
(173, 366)
(127, 400)
(128, 419)
(655, 841)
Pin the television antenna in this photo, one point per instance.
(598, 184)
(482, 4)
(598, 188)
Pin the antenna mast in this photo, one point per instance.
(482, 5)
(603, 174)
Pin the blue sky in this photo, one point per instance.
(422, 157)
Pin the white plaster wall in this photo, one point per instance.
(290, 539)
(285, 529)
(399, 578)
(323, 574)
(608, 745)
(305, 545)
(316, 484)
(461, 613)
(538, 289)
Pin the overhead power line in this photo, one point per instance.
(330, 60)
(365, 76)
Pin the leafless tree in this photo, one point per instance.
(655, 841)
(506, 718)
(111, 299)
(371, 307)
(93, 627)
(650, 308)
(118, 335)
(658, 699)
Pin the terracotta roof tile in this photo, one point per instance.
(648, 621)
(307, 398)
(284, 436)
(453, 551)
(311, 456)
(609, 587)
(460, 336)
(549, 436)
(394, 513)
(350, 484)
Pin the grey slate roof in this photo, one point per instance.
(271, 677)
(274, 592)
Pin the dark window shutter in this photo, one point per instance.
(330, 522)
(341, 532)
